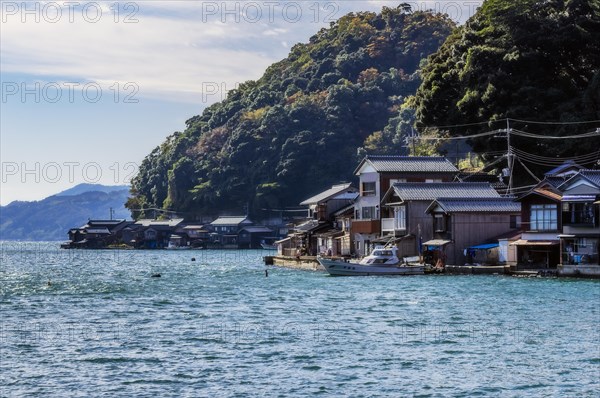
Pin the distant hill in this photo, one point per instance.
(297, 129)
(82, 188)
(50, 219)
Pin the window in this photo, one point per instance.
(368, 213)
(368, 189)
(431, 180)
(515, 221)
(396, 180)
(400, 218)
(439, 223)
(544, 218)
(578, 213)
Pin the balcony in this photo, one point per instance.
(366, 226)
(392, 225)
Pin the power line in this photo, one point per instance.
(489, 122)
(549, 137)
(554, 123)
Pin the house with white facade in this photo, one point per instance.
(376, 174)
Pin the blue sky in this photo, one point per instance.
(90, 88)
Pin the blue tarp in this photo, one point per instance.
(486, 246)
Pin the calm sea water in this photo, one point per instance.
(95, 323)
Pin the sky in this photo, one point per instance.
(88, 89)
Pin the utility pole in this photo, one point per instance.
(509, 158)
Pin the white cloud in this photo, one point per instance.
(175, 47)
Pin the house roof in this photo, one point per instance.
(99, 231)
(147, 222)
(432, 191)
(231, 221)
(104, 223)
(112, 225)
(554, 181)
(347, 209)
(346, 191)
(592, 176)
(545, 193)
(409, 164)
(193, 227)
(255, 230)
(311, 226)
(475, 205)
(569, 164)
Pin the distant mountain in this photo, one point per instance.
(82, 188)
(51, 218)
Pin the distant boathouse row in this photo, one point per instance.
(424, 206)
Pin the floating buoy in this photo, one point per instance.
(193, 258)
(157, 275)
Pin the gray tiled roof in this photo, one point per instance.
(477, 205)
(332, 192)
(408, 164)
(563, 167)
(554, 181)
(592, 175)
(432, 191)
(231, 220)
(146, 222)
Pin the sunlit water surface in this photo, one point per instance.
(96, 323)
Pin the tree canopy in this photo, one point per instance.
(297, 129)
(529, 60)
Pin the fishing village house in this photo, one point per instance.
(97, 234)
(226, 229)
(406, 204)
(560, 222)
(538, 246)
(312, 236)
(580, 237)
(376, 174)
(470, 227)
(152, 234)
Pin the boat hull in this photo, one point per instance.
(342, 268)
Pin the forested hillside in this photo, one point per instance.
(351, 89)
(529, 60)
(296, 130)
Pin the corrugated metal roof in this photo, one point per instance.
(408, 164)
(332, 192)
(477, 205)
(432, 191)
(231, 220)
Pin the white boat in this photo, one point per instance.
(381, 261)
(266, 246)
